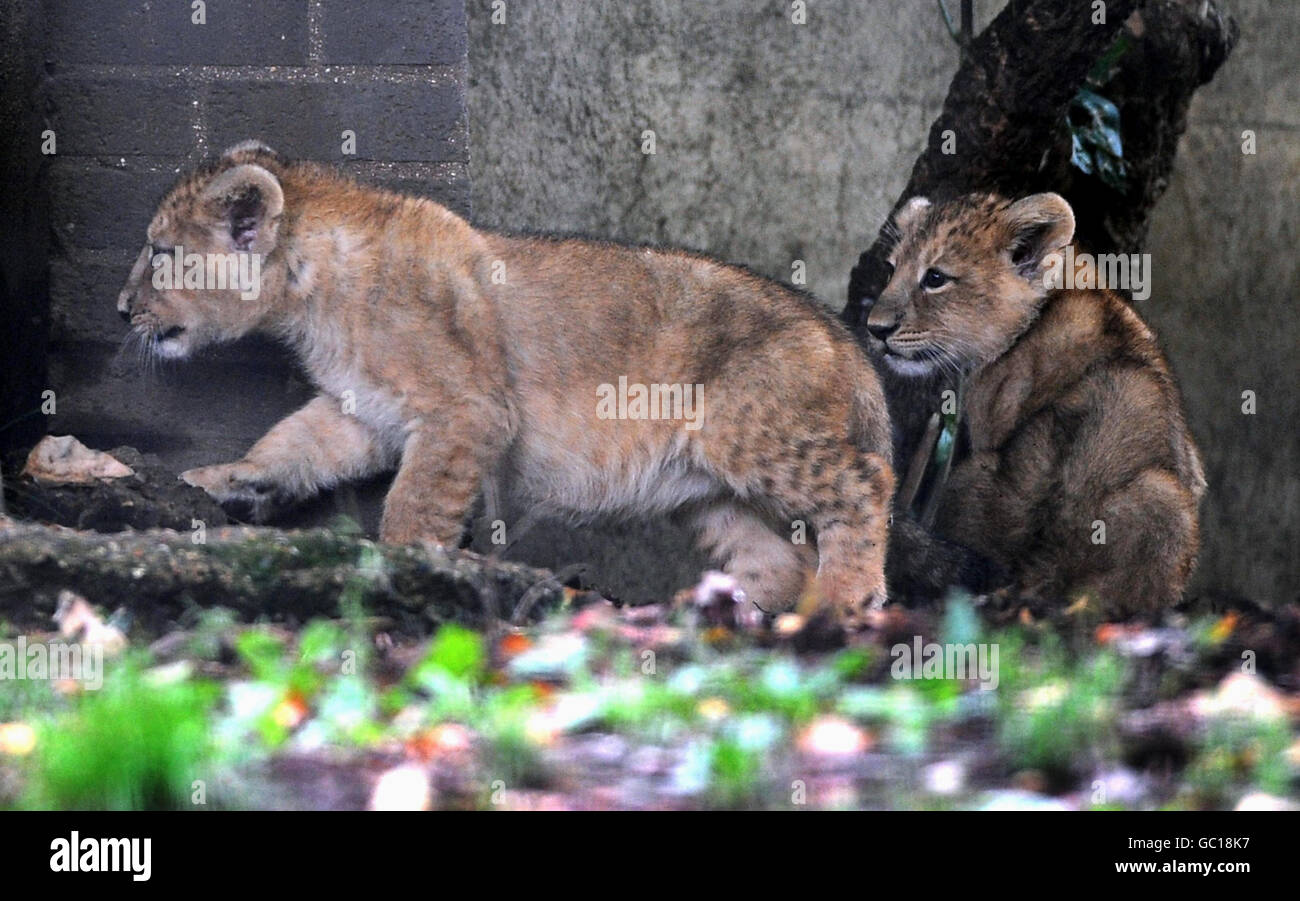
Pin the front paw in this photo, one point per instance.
(866, 613)
(241, 488)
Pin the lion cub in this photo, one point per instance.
(1081, 476)
(593, 377)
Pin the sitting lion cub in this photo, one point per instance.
(1081, 476)
(597, 378)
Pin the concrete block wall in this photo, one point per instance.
(137, 92)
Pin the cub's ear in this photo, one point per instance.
(910, 213)
(245, 202)
(1036, 226)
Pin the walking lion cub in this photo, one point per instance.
(596, 378)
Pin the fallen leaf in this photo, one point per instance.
(1224, 627)
(443, 740)
(1108, 633)
(1079, 605)
(717, 635)
(291, 711)
(788, 624)
(78, 621)
(514, 644)
(63, 460)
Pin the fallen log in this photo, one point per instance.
(158, 575)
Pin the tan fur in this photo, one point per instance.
(472, 355)
(1073, 414)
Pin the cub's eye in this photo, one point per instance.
(933, 278)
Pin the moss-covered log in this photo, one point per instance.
(292, 575)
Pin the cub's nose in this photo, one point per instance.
(882, 330)
(125, 314)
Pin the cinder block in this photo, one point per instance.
(397, 32)
(98, 206)
(393, 121)
(447, 184)
(122, 113)
(126, 32)
(83, 295)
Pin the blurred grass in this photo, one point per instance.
(137, 743)
(740, 715)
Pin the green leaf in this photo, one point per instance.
(262, 653)
(1104, 69)
(458, 652)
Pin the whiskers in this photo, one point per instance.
(952, 354)
(142, 349)
(945, 354)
